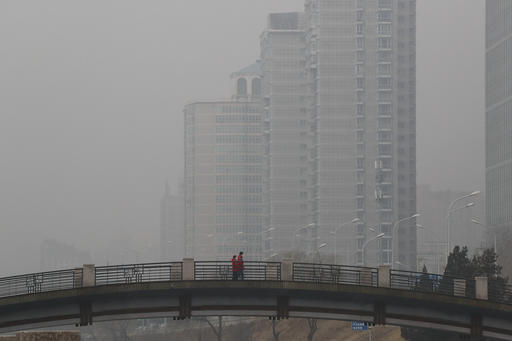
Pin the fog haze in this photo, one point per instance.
(91, 98)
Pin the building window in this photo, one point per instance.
(385, 43)
(359, 28)
(385, 16)
(360, 15)
(385, 83)
(384, 29)
(360, 83)
(360, 43)
(360, 109)
(241, 87)
(256, 87)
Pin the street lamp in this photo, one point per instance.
(318, 251)
(394, 234)
(475, 221)
(312, 225)
(335, 232)
(439, 241)
(380, 235)
(449, 212)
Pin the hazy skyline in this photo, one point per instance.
(91, 99)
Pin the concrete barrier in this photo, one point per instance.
(88, 275)
(384, 276)
(287, 269)
(188, 269)
(482, 288)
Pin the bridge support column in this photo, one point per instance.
(85, 313)
(185, 307)
(379, 314)
(283, 307)
(476, 327)
(188, 269)
(384, 274)
(88, 275)
(287, 269)
(482, 290)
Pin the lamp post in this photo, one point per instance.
(394, 241)
(262, 250)
(448, 213)
(312, 225)
(318, 251)
(476, 222)
(380, 235)
(335, 232)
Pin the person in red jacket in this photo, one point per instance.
(241, 265)
(234, 267)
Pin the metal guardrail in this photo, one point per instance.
(138, 273)
(338, 274)
(432, 283)
(500, 292)
(253, 271)
(40, 282)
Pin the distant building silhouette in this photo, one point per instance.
(56, 255)
(172, 226)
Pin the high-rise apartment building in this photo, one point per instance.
(318, 148)
(224, 172)
(287, 132)
(499, 114)
(361, 65)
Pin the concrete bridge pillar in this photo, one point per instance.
(384, 274)
(287, 269)
(188, 269)
(88, 275)
(482, 292)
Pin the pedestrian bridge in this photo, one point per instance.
(281, 290)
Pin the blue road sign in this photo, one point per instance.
(356, 325)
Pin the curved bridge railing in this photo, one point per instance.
(90, 275)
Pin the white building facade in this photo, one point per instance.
(362, 66)
(224, 170)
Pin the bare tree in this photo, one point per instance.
(216, 331)
(312, 328)
(275, 333)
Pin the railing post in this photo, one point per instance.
(88, 275)
(481, 288)
(287, 269)
(459, 287)
(188, 269)
(384, 274)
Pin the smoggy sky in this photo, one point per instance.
(91, 98)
